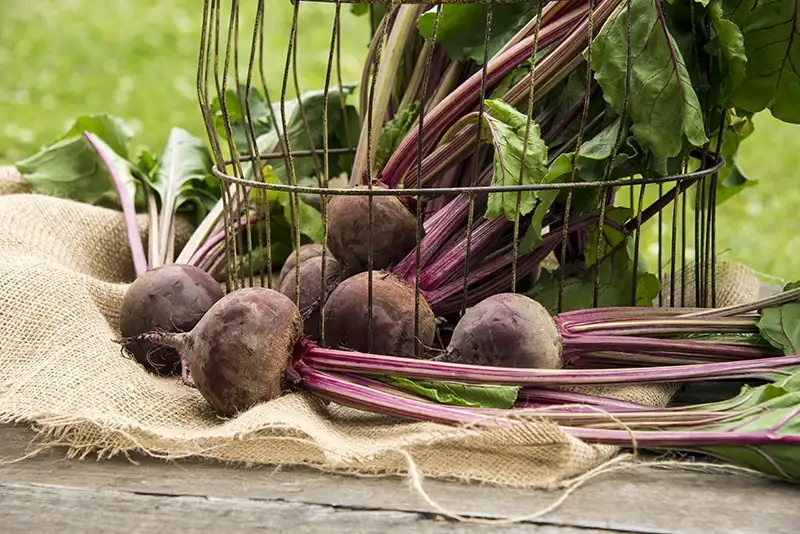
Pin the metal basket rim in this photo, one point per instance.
(431, 191)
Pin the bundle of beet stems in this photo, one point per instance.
(371, 250)
(461, 259)
(249, 348)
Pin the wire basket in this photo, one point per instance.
(545, 189)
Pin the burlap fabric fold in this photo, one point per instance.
(64, 267)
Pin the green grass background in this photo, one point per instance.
(138, 60)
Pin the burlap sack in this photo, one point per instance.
(733, 283)
(63, 268)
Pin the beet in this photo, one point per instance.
(307, 251)
(171, 298)
(238, 351)
(392, 316)
(506, 330)
(311, 294)
(393, 231)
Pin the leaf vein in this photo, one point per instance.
(670, 45)
(771, 26)
(783, 327)
(788, 46)
(768, 44)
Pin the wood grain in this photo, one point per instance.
(199, 497)
(88, 510)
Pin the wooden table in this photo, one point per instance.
(48, 493)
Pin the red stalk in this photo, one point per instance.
(575, 345)
(458, 102)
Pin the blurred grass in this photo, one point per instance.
(138, 60)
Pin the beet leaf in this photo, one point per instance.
(308, 170)
(662, 102)
(393, 133)
(780, 325)
(728, 45)
(592, 163)
(342, 122)
(184, 166)
(309, 219)
(71, 167)
(505, 128)
(616, 273)
(772, 80)
(457, 394)
(462, 27)
(261, 119)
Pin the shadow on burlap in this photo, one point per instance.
(64, 267)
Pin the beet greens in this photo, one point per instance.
(513, 149)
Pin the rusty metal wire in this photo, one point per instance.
(249, 251)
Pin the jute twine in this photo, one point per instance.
(64, 268)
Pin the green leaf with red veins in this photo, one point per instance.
(462, 27)
(184, 161)
(662, 102)
(772, 43)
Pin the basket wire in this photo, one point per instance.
(225, 51)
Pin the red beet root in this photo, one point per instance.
(346, 316)
(238, 351)
(393, 231)
(506, 330)
(308, 251)
(312, 295)
(172, 298)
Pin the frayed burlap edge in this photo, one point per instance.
(417, 455)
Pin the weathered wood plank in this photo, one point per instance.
(90, 510)
(645, 500)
